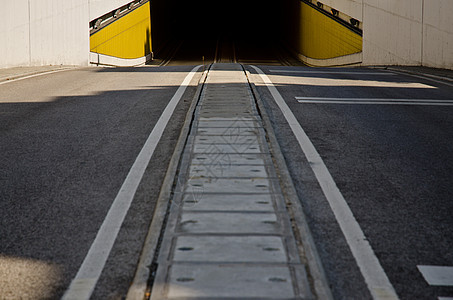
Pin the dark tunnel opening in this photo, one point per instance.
(248, 31)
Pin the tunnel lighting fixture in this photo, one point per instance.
(319, 4)
(98, 23)
(354, 22)
(334, 12)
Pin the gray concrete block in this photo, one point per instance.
(231, 223)
(227, 148)
(224, 160)
(237, 171)
(228, 202)
(210, 281)
(226, 185)
(239, 249)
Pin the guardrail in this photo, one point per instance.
(110, 17)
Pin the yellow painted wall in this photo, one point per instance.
(321, 37)
(128, 37)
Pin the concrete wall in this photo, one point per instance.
(49, 32)
(101, 7)
(44, 32)
(14, 33)
(400, 32)
(395, 32)
(438, 34)
(403, 32)
(392, 32)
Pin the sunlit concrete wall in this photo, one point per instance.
(100, 7)
(44, 32)
(50, 32)
(395, 32)
(403, 32)
(14, 33)
(438, 34)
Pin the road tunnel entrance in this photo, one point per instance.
(248, 31)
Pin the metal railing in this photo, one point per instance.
(110, 17)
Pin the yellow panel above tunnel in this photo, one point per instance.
(129, 37)
(321, 37)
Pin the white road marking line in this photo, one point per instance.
(335, 100)
(445, 298)
(314, 71)
(424, 76)
(35, 75)
(437, 275)
(83, 284)
(375, 277)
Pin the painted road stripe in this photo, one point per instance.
(425, 77)
(437, 275)
(332, 100)
(83, 284)
(375, 277)
(313, 71)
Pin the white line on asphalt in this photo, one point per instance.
(330, 100)
(375, 277)
(35, 75)
(314, 71)
(437, 275)
(83, 284)
(424, 76)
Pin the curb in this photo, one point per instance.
(16, 77)
(139, 287)
(432, 76)
(302, 232)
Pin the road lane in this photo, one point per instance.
(392, 163)
(67, 141)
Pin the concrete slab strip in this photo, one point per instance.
(241, 249)
(229, 171)
(229, 223)
(228, 233)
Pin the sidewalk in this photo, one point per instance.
(435, 73)
(229, 232)
(7, 74)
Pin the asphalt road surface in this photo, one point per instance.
(69, 139)
(392, 161)
(67, 143)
